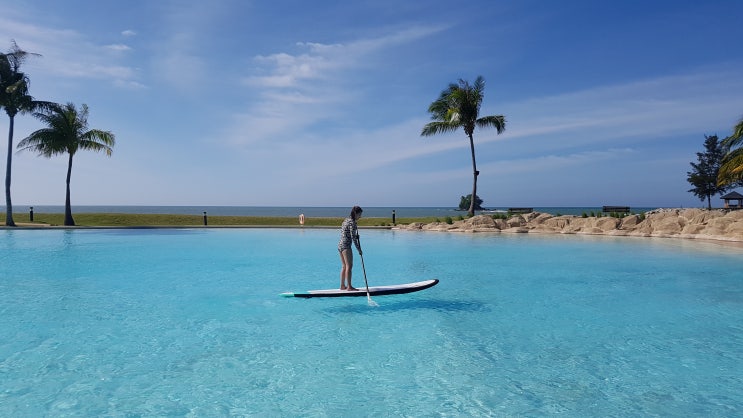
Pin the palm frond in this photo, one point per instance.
(731, 169)
(17, 56)
(66, 132)
(738, 130)
(736, 138)
(433, 128)
(496, 121)
(459, 106)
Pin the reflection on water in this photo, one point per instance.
(411, 303)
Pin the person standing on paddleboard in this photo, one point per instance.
(349, 234)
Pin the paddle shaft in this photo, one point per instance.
(363, 268)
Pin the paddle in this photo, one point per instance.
(363, 268)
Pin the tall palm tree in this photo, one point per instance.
(67, 132)
(459, 106)
(731, 171)
(15, 99)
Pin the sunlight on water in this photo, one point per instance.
(179, 322)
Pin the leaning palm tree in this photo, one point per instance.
(731, 170)
(67, 132)
(459, 106)
(15, 99)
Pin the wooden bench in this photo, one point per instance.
(615, 209)
(520, 210)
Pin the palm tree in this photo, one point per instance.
(731, 171)
(459, 106)
(15, 99)
(67, 132)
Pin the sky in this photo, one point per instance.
(296, 103)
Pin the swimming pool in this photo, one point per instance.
(189, 322)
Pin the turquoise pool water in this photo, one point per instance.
(179, 322)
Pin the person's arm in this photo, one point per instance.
(356, 240)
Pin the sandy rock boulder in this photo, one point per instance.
(539, 219)
(500, 223)
(669, 225)
(718, 226)
(480, 222)
(557, 223)
(607, 224)
(629, 222)
(516, 221)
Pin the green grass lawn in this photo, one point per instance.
(144, 220)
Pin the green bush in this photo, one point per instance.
(449, 220)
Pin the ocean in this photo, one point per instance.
(308, 211)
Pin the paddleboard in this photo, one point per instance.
(373, 290)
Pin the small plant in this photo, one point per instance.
(449, 220)
(460, 218)
(585, 215)
(642, 217)
(593, 215)
(437, 220)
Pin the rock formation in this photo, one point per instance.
(723, 225)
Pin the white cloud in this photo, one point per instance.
(118, 47)
(322, 61)
(298, 90)
(57, 46)
(128, 32)
(650, 109)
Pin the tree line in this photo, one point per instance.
(66, 129)
(720, 167)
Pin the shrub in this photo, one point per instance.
(449, 220)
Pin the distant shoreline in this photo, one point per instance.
(293, 211)
(720, 226)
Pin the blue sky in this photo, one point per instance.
(295, 103)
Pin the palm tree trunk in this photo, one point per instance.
(475, 173)
(8, 203)
(68, 221)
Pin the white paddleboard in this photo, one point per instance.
(373, 291)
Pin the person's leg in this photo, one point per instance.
(343, 269)
(346, 269)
